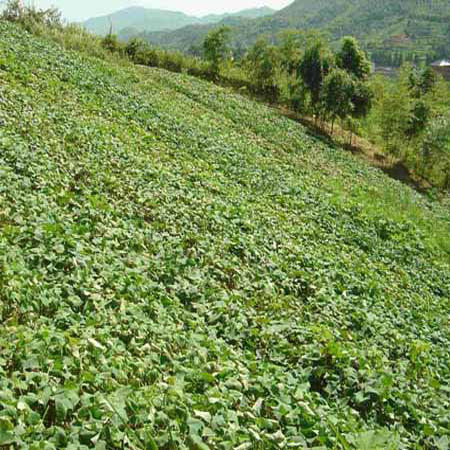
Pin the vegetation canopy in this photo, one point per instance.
(184, 268)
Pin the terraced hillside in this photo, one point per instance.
(183, 268)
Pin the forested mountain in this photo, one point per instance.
(412, 28)
(138, 19)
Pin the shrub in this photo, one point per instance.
(151, 57)
(435, 152)
(111, 43)
(32, 18)
(173, 62)
(134, 47)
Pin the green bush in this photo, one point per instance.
(435, 152)
(112, 44)
(133, 47)
(31, 17)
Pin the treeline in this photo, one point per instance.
(410, 120)
(301, 72)
(397, 56)
(407, 117)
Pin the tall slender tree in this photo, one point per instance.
(216, 48)
(337, 94)
(313, 69)
(263, 63)
(352, 59)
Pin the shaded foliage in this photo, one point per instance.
(313, 68)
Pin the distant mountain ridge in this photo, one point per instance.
(420, 26)
(138, 19)
(252, 13)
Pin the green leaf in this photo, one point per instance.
(197, 443)
(6, 437)
(442, 443)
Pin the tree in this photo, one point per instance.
(292, 44)
(352, 59)
(313, 68)
(195, 50)
(337, 94)
(262, 63)
(428, 80)
(30, 16)
(13, 11)
(419, 117)
(394, 111)
(362, 99)
(290, 50)
(422, 82)
(216, 48)
(435, 151)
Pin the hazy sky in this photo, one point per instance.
(82, 9)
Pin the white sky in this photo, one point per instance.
(83, 9)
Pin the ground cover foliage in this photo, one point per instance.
(182, 268)
(406, 118)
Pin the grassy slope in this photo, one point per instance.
(180, 266)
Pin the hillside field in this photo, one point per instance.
(183, 268)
